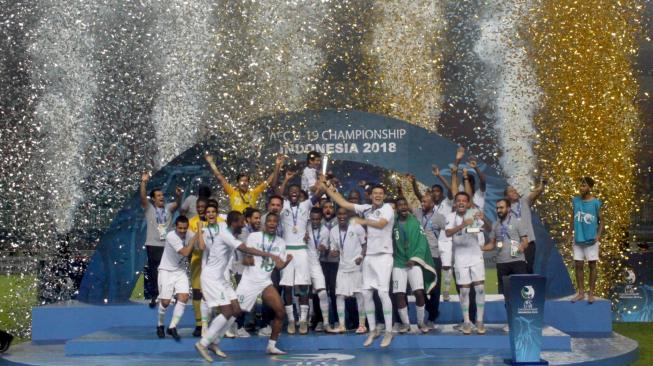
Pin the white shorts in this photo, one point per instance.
(317, 276)
(377, 269)
(217, 292)
(297, 272)
(248, 291)
(586, 252)
(348, 283)
(445, 252)
(171, 283)
(400, 276)
(467, 275)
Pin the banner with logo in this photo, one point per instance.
(525, 316)
(362, 147)
(633, 299)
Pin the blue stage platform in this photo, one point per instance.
(614, 350)
(65, 321)
(78, 333)
(130, 340)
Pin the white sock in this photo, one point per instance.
(386, 303)
(290, 313)
(272, 344)
(464, 303)
(224, 329)
(161, 315)
(403, 315)
(446, 283)
(212, 333)
(324, 306)
(303, 313)
(420, 314)
(204, 311)
(370, 309)
(177, 313)
(360, 303)
(480, 302)
(340, 306)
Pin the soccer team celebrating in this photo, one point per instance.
(314, 245)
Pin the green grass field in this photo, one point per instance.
(642, 333)
(17, 296)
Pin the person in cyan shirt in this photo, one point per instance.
(587, 225)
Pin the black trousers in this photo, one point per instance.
(510, 268)
(530, 257)
(151, 278)
(433, 302)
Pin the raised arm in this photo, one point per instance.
(467, 183)
(179, 192)
(143, 190)
(337, 197)
(281, 190)
(274, 177)
(379, 224)
(460, 153)
(413, 184)
(454, 181)
(216, 172)
(535, 193)
(436, 171)
(481, 177)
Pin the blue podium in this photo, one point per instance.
(525, 304)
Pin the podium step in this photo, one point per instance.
(143, 340)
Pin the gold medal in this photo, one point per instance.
(499, 244)
(294, 229)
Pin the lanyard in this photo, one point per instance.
(161, 215)
(427, 218)
(518, 212)
(342, 238)
(504, 229)
(269, 248)
(243, 198)
(316, 239)
(294, 214)
(211, 232)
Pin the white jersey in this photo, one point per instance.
(309, 178)
(349, 243)
(444, 207)
(220, 244)
(171, 260)
(466, 246)
(378, 240)
(479, 199)
(317, 237)
(261, 271)
(295, 220)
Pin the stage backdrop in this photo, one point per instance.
(364, 144)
